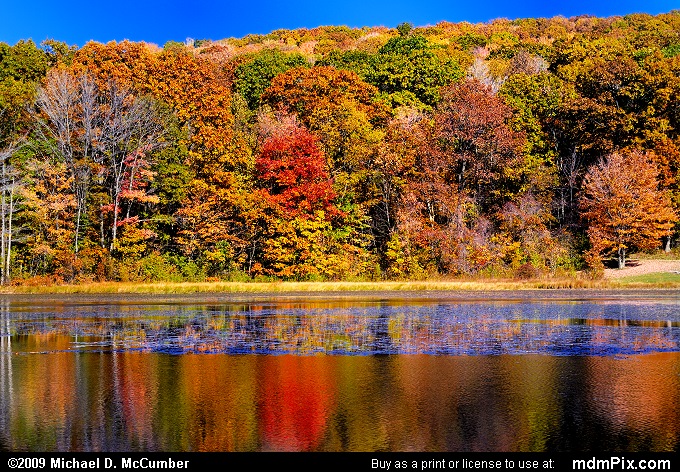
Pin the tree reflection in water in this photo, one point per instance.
(373, 377)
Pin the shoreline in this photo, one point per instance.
(639, 274)
(333, 300)
(664, 282)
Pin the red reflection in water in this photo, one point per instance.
(296, 400)
(139, 401)
(137, 390)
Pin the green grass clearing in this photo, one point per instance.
(665, 279)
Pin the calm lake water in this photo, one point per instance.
(529, 371)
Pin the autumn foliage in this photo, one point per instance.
(623, 205)
(474, 135)
(525, 148)
(291, 170)
(310, 92)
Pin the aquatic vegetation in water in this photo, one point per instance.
(438, 328)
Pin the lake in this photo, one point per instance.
(499, 371)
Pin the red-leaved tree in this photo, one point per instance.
(292, 172)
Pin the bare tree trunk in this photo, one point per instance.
(7, 190)
(430, 210)
(102, 235)
(622, 258)
(570, 166)
(8, 250)
(114, 228)
(667, 245)
(130, 188)
(75, 245)
(3, 217)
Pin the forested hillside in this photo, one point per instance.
(534, 147)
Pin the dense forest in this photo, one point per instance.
(524, 148)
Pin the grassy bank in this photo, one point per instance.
(659, 280)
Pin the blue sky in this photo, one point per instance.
(156, 21)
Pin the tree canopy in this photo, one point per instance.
(506, 148)
(623, 205)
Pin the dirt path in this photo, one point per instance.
(641, 267)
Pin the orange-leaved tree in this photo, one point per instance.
(127, 63)
(335, 105)
(623, 205)
(305, 91)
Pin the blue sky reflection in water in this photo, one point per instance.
(597, 327)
